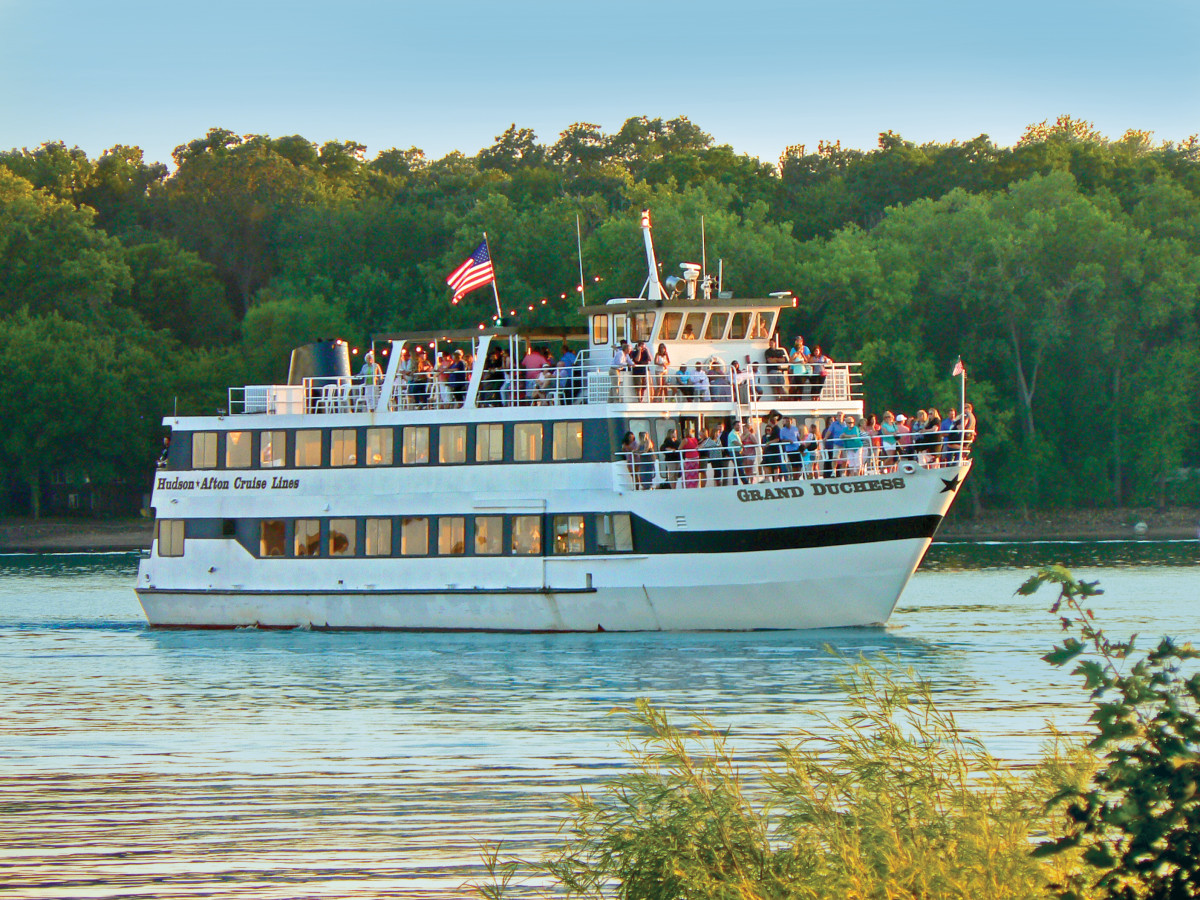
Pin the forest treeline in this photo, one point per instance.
(1065, 270)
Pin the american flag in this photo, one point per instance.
(474, 273)
(959, 369)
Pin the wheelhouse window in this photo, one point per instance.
(452, 535)
(237, 450)
(489, 443)
(527, 442)
(739, 328)
(762, 324)
(170, 537)
(641, 326)
(308, 537)
(204, 450)
(568, 534)
(341, 537)
(416, 445)
(377, 538)
(489, 535)
(716, 326)
(272, 538)
(272, 449)
(308, 449)
(671, 323)
(568, 440)
(452, 444)
(600, 329)
(379, 447)
(614, 533)
(693, 326)
(414, 536)
(343, 447)
(527, 535)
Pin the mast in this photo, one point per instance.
(651, 262)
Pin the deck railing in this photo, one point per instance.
(591, 381)
(721, 467)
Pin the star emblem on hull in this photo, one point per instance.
(950, 484)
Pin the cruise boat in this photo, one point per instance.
(499, 498)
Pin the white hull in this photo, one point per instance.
(852, 555)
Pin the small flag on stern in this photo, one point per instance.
(959, 369)
(475, 272)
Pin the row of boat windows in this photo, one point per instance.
(679, 326)
(377, 446)
(424, 536)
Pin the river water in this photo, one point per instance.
(142, 763)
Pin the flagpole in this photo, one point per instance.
(495, 292)
(579, 245)
(962, 411)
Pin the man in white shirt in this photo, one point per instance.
(621, 364)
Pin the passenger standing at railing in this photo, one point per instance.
(949, 437)
(718, 382)
(619, 370)
(458, 378)
(670, 458)
(969, 426)
(690, 450)
(904, 431)
(644, 460)
(889, 443)
(800, 369)
(832, 439)
(683, 383)
(640, 361)
(810, 451)
(531, 365)
(874, 444)
(789, 436)
(662, 362)
(720, 456)
(749, 461)
(700, 385)
(710, 452)
(566, 374)
(776, 359)
(820, 371)
(733, 445)
(772, 449)
(423, 379)
(854, 446)
(628, 453)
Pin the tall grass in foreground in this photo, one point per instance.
(888, 801)
(892, 802)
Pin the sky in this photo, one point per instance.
(759, 75)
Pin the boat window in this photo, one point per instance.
(308, 537)
(341, 537)
(641, 326)
(170, 537)
(527, 442)
(414, 536)
(568, 534)
(670, 326)
(378, 538)
(716, 326)
(693, 326)
(568, 440)
(308, 449)
(379, 446)
(204, 450)
(272, 450)
(343, 447)
(489, 443)
(600, 329)
(416, 444)
(489, 535)
(452, 444)
(451, 536)
(739, 329)
(527, 535)
(613, 533)
(237, 450)
(271, 537)
(766, 324)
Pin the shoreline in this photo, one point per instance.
(80, 535)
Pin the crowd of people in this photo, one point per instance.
(797, 375)
(847, 446)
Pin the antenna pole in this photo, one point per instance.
(703, 251)
(655, 292)
(720, 276)
(579, 246)
(495, 293)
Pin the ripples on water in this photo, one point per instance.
(299, 764)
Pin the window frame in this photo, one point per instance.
(519, 445)
(204, 450)
(304, 441)
(175, 533)
(414, 430)
(572, 449)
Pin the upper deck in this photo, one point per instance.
(727, 340)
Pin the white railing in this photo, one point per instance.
(592, 380)
(721, 467)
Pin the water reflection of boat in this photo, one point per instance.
(507, 498)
